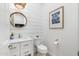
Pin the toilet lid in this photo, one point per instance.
(42, 47)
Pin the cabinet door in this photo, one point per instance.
(27, 48)
(14, 49)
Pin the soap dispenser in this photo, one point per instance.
(19, 36)
(11, 36)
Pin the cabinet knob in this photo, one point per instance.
(10, 46)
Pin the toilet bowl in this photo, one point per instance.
(40, 49)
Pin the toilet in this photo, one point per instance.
(39, 49)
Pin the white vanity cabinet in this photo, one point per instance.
(21, 48)
(27, 48)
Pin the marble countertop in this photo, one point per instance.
(19, 40)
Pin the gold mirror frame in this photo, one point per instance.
(20, 14)
(20, 5)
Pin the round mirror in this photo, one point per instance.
(18, 19)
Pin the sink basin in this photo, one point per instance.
(19, 40)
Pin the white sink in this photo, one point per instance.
(19, 40)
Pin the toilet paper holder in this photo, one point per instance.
(56, 42)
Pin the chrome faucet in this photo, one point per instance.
(19, 36)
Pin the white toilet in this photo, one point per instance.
(40, 49)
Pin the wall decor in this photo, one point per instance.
(56, 18)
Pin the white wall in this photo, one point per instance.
(34, 25)
(68, 36)
(78, 27)
(4, 29)
(38, 23)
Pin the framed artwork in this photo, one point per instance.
(56, 18)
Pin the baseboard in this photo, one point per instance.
(51, 54)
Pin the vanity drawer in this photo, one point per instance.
(25, 52)
(28, 54)
(27, 48)
(27, 44)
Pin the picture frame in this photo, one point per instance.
(56, 18)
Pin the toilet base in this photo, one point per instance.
(41, 54)
(40, 50)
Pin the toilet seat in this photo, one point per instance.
(42, 48)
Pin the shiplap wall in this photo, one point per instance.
(34, 21)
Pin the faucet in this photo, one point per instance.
(37, 36)
(19, 36)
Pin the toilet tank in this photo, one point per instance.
(36, 40)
